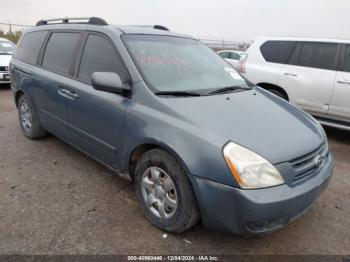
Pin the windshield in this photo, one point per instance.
(176, 64)
(6, 47)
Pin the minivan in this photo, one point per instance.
(312, 73)
(197, 139)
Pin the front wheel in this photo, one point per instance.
(164, 192)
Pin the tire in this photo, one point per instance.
(28, 120)
(278, 93)
(172, 219)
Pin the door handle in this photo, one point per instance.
(290, 74)
(343, 82)
(73, 94)
(68, 94)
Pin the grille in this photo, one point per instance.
(309, 164)
(4, 69)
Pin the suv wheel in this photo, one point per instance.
(28, 120)
(164, 192)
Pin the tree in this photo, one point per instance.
(12, 36)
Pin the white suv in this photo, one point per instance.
(7, 49)
(311, 73)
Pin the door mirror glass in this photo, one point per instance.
(107, 82)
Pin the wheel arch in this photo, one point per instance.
(146, 146)
(269, 86)
(18, 94)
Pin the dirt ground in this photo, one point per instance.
(55, 200)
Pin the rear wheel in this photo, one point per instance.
(28, 119)
(164, 192)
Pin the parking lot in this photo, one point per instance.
(56, 200)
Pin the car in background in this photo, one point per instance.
(7, 48)
(232, 56)
(311, 73)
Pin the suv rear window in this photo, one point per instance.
(59, 52)
(29, 47)
(276, 51)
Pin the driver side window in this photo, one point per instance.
(99, 56)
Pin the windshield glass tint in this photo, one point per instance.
(6, 47)
(180, 64)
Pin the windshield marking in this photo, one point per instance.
(160, 60)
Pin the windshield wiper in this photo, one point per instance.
(177, 93)
(6, 53)
(228, 89)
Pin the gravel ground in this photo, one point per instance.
(55, 200)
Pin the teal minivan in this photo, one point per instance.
(197, 139)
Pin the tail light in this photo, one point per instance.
(241, 64)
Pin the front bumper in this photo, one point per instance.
(240, 211)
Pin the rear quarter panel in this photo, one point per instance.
(257, 69)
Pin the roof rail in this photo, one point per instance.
(73, 20)
(159, 27)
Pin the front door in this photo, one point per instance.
(97, 118)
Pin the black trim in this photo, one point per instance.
(39, 59)
(341, 60)
(79, 54)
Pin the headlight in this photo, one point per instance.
(249, 169)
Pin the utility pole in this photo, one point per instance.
(11, 35)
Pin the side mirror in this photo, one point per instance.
(107, 82)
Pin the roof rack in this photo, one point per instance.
(73, 20)
(159, 27)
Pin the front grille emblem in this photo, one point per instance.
(6, 68)
(318, 160)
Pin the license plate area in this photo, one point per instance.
(6, 77)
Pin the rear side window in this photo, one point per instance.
(318, 55)
(235, 56)
(346, 66)
(60, 51)
(100, 56)
(276, 51)
(294, 56)
(29, 47)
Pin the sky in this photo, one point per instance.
(215, 19)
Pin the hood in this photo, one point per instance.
(255, 119)
(5, 60)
